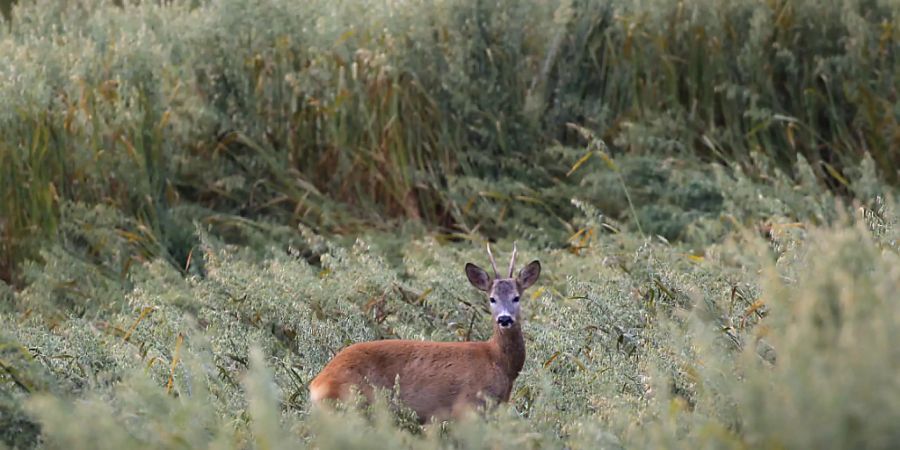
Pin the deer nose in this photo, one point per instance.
(505, 321)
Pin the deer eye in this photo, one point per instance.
(493, 300)
(516, 300)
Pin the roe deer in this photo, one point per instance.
(440, 379)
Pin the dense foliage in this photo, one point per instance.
(202, 201)
(344, 114)
(787, 340)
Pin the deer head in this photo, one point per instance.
(504, 293)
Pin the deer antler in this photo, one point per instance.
(512, 261)
(493, 263)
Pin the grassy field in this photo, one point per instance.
(202, 201)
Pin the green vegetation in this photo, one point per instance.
(201, 201)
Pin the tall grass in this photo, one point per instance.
(338, 115)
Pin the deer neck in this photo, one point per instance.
(510, 346)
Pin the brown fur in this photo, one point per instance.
(436, 379)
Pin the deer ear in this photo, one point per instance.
(529, 274)
(478, 277)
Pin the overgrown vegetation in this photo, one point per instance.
(202, 201)
(341, 115)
